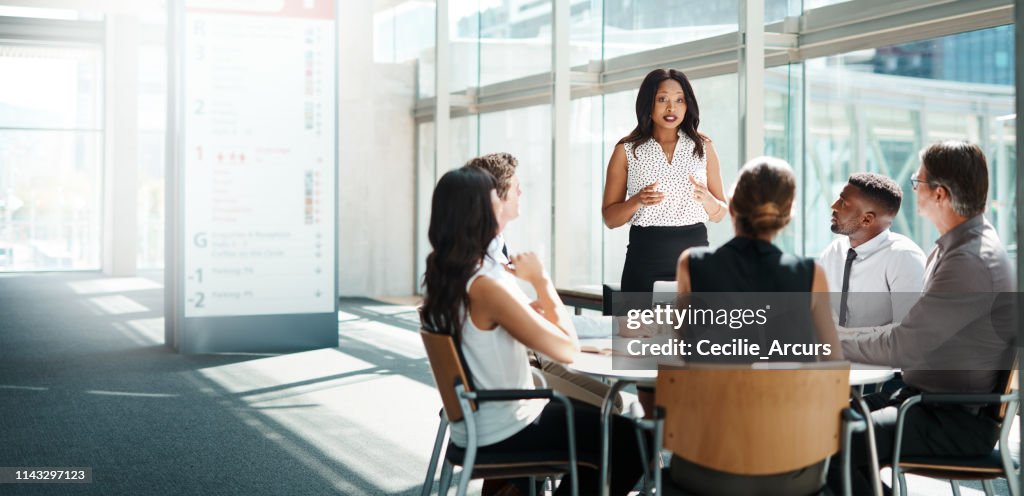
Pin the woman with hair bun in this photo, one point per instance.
(760, 206)
(799, 316)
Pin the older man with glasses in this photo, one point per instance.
(957, 337)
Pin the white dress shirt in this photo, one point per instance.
(885, 279)
(495, 251)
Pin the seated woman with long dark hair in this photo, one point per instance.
(494, 323)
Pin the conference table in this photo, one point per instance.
(599, 361)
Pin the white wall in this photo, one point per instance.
(376, 158)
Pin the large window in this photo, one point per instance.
(51, 142)
(874, 110)
(151, 170)
(526, 134)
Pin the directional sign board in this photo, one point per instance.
(254, 234)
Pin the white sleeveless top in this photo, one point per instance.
(650, 165)
(496, 360)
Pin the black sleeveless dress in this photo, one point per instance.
(755, 275)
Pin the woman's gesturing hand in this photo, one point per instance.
(700, 191)
(649, 195)
(528, 267)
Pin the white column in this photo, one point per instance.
(121, 146)
(751, 79)
(442, 74)
(560, 153)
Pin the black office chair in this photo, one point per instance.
(953, 468)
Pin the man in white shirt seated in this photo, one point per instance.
(879, 273)
(503, 167)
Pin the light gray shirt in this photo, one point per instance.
(958, 336)
(885, 279)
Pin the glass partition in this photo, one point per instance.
(51, 142)
(874, 110)
(526, 134)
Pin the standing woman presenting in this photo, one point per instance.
(664, 179)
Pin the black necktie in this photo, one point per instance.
(504, 250)
(850, 255)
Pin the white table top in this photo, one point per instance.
(601, 365)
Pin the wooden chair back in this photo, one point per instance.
(446, 364)
(1012, 383)
(750, 421)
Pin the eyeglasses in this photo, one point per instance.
(914, 181)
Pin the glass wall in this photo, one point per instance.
(631, 27)
(51, 150)
(874, 110)
(871, 109)
(526, 134)
(152, 123)
(581, 246)
(426, 177)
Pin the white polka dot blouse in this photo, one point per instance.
(650, 165)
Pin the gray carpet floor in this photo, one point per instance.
(86, 382)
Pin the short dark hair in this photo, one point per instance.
(501, 165)
(880, 190)
(961, 168)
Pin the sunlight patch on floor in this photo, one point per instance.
(386, 338)
(113, 285)
(118, 305)
(370, 419)
(150, 330)
(283, 371)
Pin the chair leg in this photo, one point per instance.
(533, 486)
(428, 483)
(956, 487)
(446, 479)
(987, 486)
(464, 476)
(903, 484)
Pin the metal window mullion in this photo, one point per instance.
(442, 98)
(751, 79)
(53, 129)
(48, 31)
(561, 168)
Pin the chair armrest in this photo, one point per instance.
(966, 398)
(510, 394)
(535, 394)
(855, 419)
(538, 378)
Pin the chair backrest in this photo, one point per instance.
(446, 364)
(752, 421)
(1011, 383)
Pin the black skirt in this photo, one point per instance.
(653, 253)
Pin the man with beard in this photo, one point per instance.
(879, 273)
